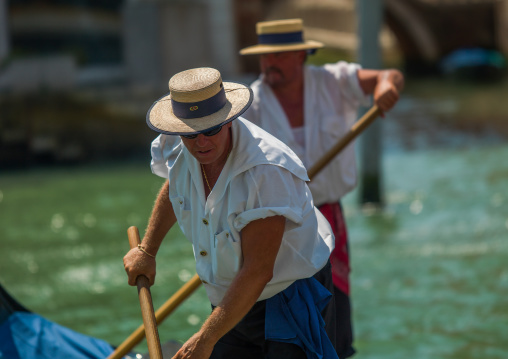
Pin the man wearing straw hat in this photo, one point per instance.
(240, 196)
(310, 108)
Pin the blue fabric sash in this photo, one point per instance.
(200, 108)
(294, 316)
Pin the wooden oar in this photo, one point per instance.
(355, 130)
(188, 288)
(167, 308)
(145, 300)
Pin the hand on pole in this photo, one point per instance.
(388, 87)
(196, 347)
(145, 297)
(137, 263)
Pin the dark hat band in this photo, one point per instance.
(282, 38)
(201, 108)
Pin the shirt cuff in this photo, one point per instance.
(246, 217)
(362, 98)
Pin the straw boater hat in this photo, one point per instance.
(280, 36)
(197, 102)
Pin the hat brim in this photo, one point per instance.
(160, 116)
(267, 49)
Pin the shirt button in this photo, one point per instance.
(227, 235)
(180, 201)
(203, 253)
(205, 222)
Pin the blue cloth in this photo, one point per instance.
(294, 316)
(30, 336)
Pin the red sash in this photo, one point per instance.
(340, 255)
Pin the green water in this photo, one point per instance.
(63, 236)
(430, 273)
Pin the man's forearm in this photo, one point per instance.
(261, 240)
(160, 222)
(371, 79)
(238, 300)
(394, 76)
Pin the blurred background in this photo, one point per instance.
(429, 250)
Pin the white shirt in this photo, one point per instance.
(299, 135)
(332, 95)
(261, 178)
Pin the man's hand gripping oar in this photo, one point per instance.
(149, 321)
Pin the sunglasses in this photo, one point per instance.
(212, 132)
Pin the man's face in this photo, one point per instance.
(281, 68)
(209, 149)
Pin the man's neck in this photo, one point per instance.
(211, 172)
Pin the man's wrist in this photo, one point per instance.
(142, 249)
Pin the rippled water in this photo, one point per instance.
(63, 236)
(430, 274)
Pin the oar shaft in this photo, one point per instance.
(176, 299)
(355, 130)
(145, 300)
(167, 308)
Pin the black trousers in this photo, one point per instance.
(247, 339)
(344, 334)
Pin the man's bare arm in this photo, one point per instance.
(261, 241)
(161, 220)
(385, 85)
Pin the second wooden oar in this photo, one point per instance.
(145, 300)
(167, 308)
(355, 130)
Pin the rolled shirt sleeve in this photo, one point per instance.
(272, 191)
(307, 240)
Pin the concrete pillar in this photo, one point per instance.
(185, 35)
(141, 42)
(502, 26)
(4, 31)
(223, 39)
(163, 37)
(370, 14)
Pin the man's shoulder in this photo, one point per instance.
(339, 76)
(264, 149)
(261, 140)
(332, 68)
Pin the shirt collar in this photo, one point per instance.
(263, 149)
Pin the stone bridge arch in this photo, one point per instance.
(415, 38)
(424, 31)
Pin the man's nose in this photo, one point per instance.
(268, 58)
(201, 140)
